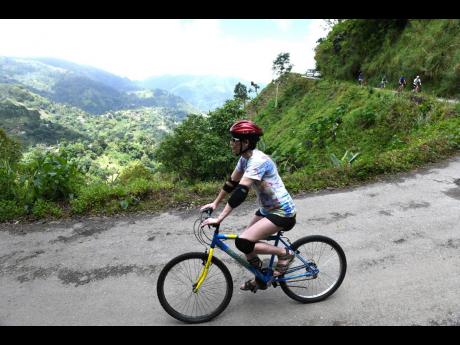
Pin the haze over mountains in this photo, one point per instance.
(50, 101)
(204, 92)
(97, 91)
(90, 89)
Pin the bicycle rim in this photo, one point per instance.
(175, 288)
(329, 258)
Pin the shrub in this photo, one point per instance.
(364, 118)
(139, 187)
(134, 171)
(10, 209)
(51, 176)
(8, 184)
(10, 149)
(43, 208)
(94, 197)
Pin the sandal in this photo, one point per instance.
(256, 262)
(249, 285)
(281, 268)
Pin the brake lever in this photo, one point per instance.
(208, 210)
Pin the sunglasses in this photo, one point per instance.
(234, 140)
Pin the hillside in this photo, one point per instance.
(317, 120)
(101, 143)
(22, 115)
(90, 89)
(118, 83)
(323, 134)
(394, 47)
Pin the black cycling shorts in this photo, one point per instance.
(287, 223)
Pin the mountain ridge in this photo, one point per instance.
(89, 88)
(206, 92)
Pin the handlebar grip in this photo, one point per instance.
(208, 210)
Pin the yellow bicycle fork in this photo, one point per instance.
(204, 272)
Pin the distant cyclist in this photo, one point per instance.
(417, 84)
(383, 82)
(361, 78)
(402, 83)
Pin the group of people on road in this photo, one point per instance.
(417, 83)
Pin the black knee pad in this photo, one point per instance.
(244, 245)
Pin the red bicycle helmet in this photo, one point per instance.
(245, 128)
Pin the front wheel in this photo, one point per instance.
(176, 284)
(323, 254)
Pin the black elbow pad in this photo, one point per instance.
(238, 196)
(230, 185)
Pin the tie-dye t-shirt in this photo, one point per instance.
(270, 189)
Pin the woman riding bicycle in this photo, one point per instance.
(277, 211)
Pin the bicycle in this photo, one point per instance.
(196, 287)
(401, 87)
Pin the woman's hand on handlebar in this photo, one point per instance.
(212, 206)
(210, 221)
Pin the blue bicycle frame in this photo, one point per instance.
(266, 277)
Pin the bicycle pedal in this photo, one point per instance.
(261, 285)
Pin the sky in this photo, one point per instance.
(142, 48)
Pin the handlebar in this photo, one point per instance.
(208, 212)
(201, 234)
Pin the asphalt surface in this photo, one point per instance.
(401, 238)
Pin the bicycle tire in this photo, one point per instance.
(193, 263)
(320, 242)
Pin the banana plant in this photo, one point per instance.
(345, 161)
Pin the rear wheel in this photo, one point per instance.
(328, 257)
(176, 283)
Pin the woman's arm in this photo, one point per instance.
(235, 177)
(235, 199)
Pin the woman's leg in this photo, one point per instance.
(259, 230)
(254, 220)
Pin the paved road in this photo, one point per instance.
(401, 238)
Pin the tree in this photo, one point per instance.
(330, 23)
(256, 87)
(198, 148)
(241, 93)
(281, 66)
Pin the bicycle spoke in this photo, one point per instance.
(320, 253)
(178, 289)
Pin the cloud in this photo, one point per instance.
(140, 48)
(283, 24)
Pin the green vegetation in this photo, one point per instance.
(102, 145)
(323, 120)
(394, 47)
(334, 134)
(57, 160)
(198, 149)
(89, 89)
